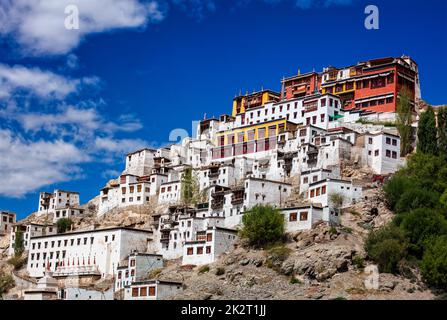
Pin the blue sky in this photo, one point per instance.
(73, 102)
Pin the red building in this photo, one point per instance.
(373, 85)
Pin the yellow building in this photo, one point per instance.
(253, 132)
(245, 102)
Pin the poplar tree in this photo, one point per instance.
(442, 131)
(427, 133)
(403, 122)
(190, 193)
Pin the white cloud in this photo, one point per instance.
(28, 165)
(40, 148)
(44, 84)
(38, 25)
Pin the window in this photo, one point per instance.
(303, 216)
(151, 291)
(388, 153)
(132, 263)
(143, 292)
(292, 216)
(189, 251)
(134, 292)
(306, 180)
(388, 140)
(199, 250)
(370, 141)
(394, 142)
(312, 193)
(323, 190)
(394, 155)
(209, 237)
(376, 153)
(208, 249)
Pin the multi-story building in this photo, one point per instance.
(87, 252)
(50, 202)
(208, 245)
(136, 268)
(28, 231)
(373, 85)
(7, 220)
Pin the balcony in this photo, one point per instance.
(238, 200)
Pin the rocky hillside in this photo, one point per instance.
(323, 263)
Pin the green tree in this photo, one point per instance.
(386, 246)
(63, 225)
(262, 225)
(426, 171)
(427, 133)
(420, 225)
(190, 191)
(395, 188)
(404, 112)
(18, 243)
(434, 262)
(6, 283)
(442, 131)
(414, 198)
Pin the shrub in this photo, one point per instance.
(434, 262)
(336, 199)
(415, 198)
(420, 225)
(6, 283)
(63, 225)
(279, 252)
(262, 225)
(394, 188)
(332, 231)
(220, 271)
(294, 280)
(17, 262)
(386, 246)
(152, 274)
(358, 262)
(18, 243)
(204, 269)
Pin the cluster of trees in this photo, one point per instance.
(418, 195)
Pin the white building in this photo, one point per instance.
(170, 192)
(49, 202)
(136, 268)
(321, 192)
(95, 252)
(139, 163)
(28, 231)
(208, 245)
(152, 290)
(233, 203)
(302, 217)
(131, 190)
(47, 289)
(67, 213)
(7, 220)
(382, 152)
